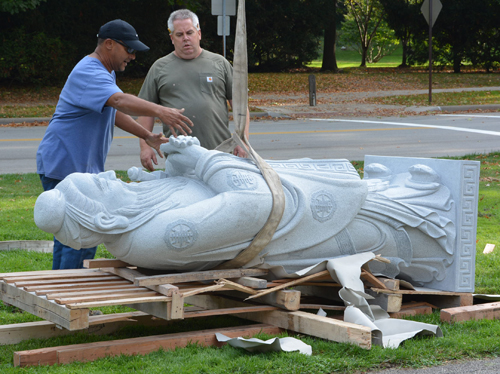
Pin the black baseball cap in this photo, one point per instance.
(121, 30)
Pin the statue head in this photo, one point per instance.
(84, 208)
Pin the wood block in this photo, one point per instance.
(390, 284)
(177, 306)
(389, 302)
(298, 321)
(253, 282)
(134, 346)
(285, 299)
(465, 313)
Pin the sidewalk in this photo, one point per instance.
(352, 104)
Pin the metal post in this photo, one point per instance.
(312, 90)
(430, 51)
(224, 26)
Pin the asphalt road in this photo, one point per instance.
(414, 136)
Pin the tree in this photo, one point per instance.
(367, 15)
(18, 6)
(404, 17)
(333, 13)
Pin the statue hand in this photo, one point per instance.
(184, 152)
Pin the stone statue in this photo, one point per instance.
(207, 206)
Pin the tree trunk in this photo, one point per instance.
(329, 47)
(404, 45)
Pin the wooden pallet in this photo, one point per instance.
(64, 297)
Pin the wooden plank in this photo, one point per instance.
(198, 276)
(322, 306)
(412, 309)
(45, 309)
(54, 275)
(237, 287)
(302, 322)
(50, 294)
(372, 279)
(289, 284)
(98, 325)
(113, 297)
(63, 281)
(133, 346)
(441, 299)
(466, 313)
(226, 311)
(44, 272)
(68, 286)
(97, 304)
(104, 263)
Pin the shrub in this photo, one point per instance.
(33, 58)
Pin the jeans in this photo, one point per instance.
(65, 257)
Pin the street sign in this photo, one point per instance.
(218, 8)
(223, 23)
(435, 9)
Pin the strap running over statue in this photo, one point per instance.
(240, 105)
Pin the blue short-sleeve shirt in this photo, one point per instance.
(81, 130)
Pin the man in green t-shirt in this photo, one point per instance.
(192, 78)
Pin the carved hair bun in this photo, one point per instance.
(50, 209)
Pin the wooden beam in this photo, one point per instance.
(198, 276)
(465, 313)
(298, 321)
(134, 346)
(99, 325)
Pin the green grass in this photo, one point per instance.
(352, 59)
(468, 340)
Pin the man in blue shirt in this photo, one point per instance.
(90, 105)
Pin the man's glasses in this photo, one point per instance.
(129, 50)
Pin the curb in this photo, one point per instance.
(6, 121)
(43, 246)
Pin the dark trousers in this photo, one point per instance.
(65, 257)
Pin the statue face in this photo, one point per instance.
(104, 188)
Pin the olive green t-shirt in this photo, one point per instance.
(201, 86)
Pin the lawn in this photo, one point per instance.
(468, 340)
